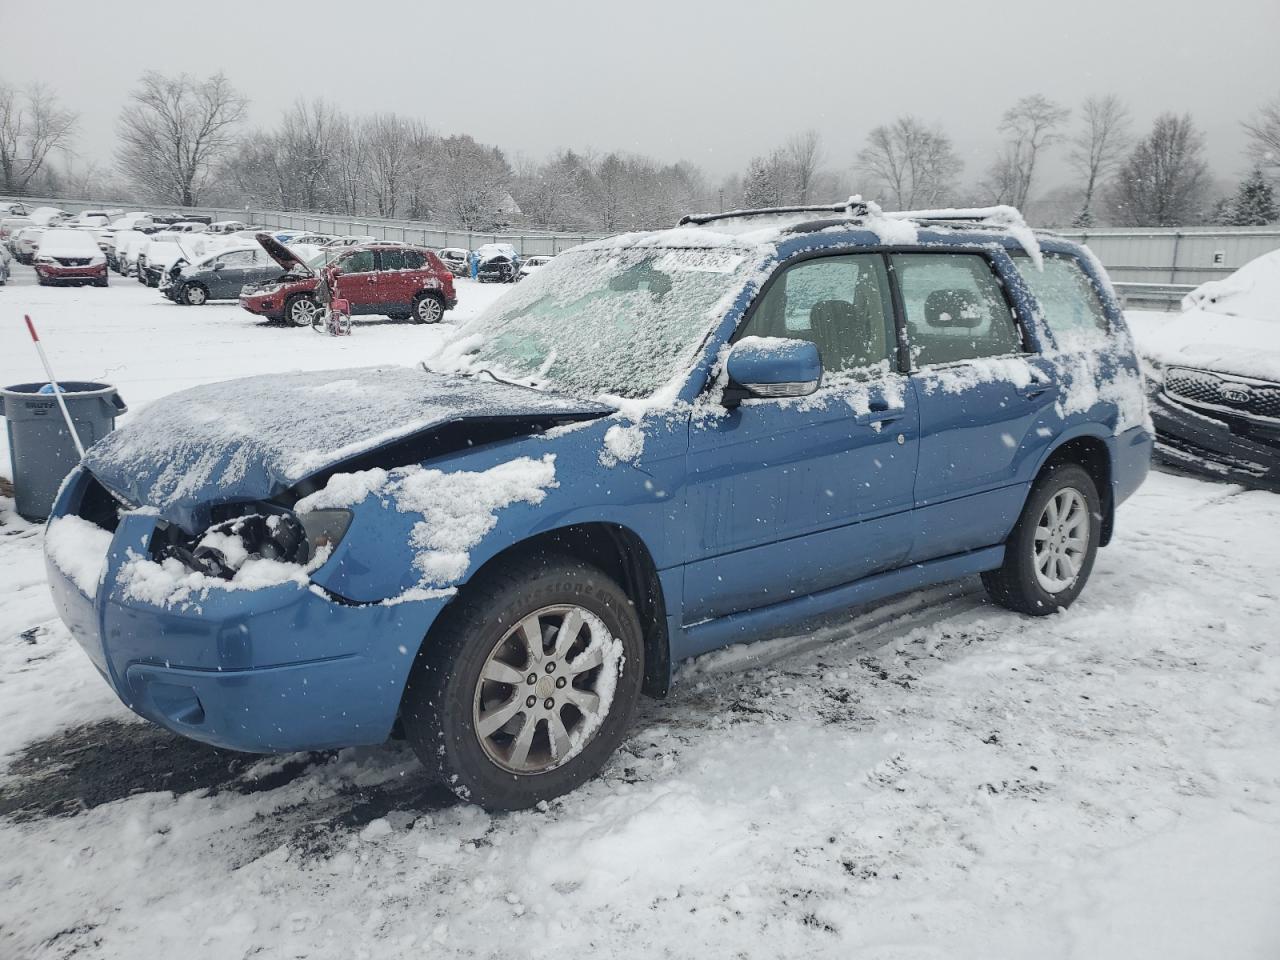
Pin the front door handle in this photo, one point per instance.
(880, 412)
(1040, 383)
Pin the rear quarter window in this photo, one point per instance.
(1068, 299)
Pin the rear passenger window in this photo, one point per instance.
(955, 308)
(841, 304)
(413, 260)
(1066, 296)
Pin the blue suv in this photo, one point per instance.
(660, 444)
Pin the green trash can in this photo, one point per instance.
(40, 446)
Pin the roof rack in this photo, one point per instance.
(853, 207)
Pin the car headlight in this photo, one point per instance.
(45, 260)
(324, 528)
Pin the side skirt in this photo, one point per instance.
(767, 621)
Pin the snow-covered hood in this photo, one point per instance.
(53, 245)
(255, 438)
(1212, 341)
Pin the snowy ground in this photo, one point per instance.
(935, 778)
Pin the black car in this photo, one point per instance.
(1214, 377)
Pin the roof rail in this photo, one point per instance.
(853, 207)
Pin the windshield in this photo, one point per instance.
(322, 258)
(615, 321)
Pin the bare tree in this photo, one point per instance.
(32, 125)
(1030, 126)
(1098, 147)
(306, 142)
(803, 153)
(1263, 129)
(473, 181)
(913, 165)
(1162, 183)
(768, 181)
(175, 130)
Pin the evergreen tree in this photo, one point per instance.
(1254, 204)
(1084, 218)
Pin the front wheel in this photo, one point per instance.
(1050, 553)
(193, 295)
(525, 689)
(302, 310)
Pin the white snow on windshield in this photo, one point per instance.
(616, 321)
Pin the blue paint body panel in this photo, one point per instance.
(755, 519)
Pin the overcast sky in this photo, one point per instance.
(712, 81)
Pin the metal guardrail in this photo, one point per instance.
(1167, 295)
(1183, 255)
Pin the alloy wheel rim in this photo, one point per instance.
(428, 310)
(1061, 540)
(304, 312)
(544, 689)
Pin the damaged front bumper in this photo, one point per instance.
(275, 669)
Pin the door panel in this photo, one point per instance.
(789, 497)
(986, 408)
(357, 282)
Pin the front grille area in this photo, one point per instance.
(1251, 397)
(73, 261)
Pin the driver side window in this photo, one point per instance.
(841, 304)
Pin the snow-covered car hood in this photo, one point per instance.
(255, 438)
(1210, 341)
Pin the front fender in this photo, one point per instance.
(394, 549)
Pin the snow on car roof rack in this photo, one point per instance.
(1002, 218)
(853, 207)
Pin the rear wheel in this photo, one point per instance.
(1050, 553)
(301, 310)
(526, 688)
(193, 295)
(428, 308)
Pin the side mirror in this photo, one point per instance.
(219, 265)
(772, 367)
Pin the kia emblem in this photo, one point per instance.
(1237, 393)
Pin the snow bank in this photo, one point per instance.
(79, 549)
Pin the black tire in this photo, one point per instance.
(290, 309)
(428, 308)
(437, 709)
(100, 283)
(193, 295)
(1015, 584)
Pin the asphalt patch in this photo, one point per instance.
(98, 763)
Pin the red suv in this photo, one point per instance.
(393, 280)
